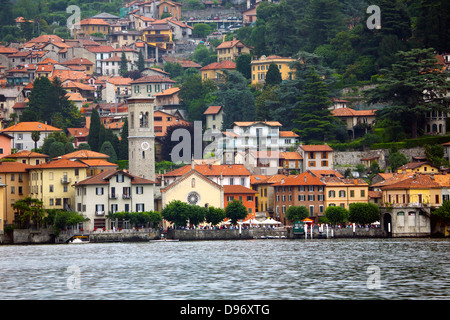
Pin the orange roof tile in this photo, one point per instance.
(226, 64)
(153, 79)
(30, 126)
(6, 167)
(212, 170)
(288, 134)
(85, 154)
(98, 163)
(312, 148)
(61, 163)
(213, 110)
(417, 181)
(168, 92)
(103, 178)
(26, 154)
(249, 123)
(237, 189)
(92, 21)
(291, 156)
(78, 132)
(302, 179)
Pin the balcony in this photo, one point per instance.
(113, 196)
(99, 213)
(126, 196)
(66, 180)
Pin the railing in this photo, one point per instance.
(126, 196)
(99, 213)
(65, 180)
(113, 196)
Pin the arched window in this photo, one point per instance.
(193, 183)
(143, 119)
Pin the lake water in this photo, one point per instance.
(234, 270)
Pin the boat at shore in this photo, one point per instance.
(165, 240)
(78, 241)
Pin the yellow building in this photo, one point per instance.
(14, 177)
(28, 157)
(343, 192)
(264, 191)
(230, 50)
(418, 190)
(90, 26)
(194, 188)
(159, 34)
(259, 68)
(52, 182)
(214, 71)
(2, 209)
(421, 167)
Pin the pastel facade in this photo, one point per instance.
(343, 192)
(112, 191)
(21, 134)
(316, 157)
(260, 67)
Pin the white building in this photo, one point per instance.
(22, 133)
(109, 192)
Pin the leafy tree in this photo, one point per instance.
(443, 212)
(196, 95)
(336, 215)
(68, 147)
(263, 101)
(56, 149)
(236, 98)
(63, 219)
(29, 210)
(197, 214)
(123, 144)
(364, 213)
(296, 213)
(273, 75)
(414, 86)
(215, 215)
(176, 212)
(107, 148)
(235, 211)
(94, 131)
(174, 69)
(396, 160)
(84, 146)
(203, 55)
(201, 30)
(435, 154)
(46, 145)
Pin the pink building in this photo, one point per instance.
(5, 144)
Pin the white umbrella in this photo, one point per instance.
(270, 221)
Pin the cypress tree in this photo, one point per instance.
(273, 75)
(94, 131)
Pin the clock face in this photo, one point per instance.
(193, 198)
(145, 146)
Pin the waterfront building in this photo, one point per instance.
(316, 157)
(242, 194)
(112, 191)
(14, 177)
(303, 189)
(264, 197)
(51, 182)
(343, 192)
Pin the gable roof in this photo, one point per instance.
(226, 64)
(6, 167)
(213, 110)
(250, 123)
(231, 44)
(415, 181)
(187, 175)
(237, 189)
(30, 126)
(302, 179)
(26, 154)
(103, 178)
(312, 148)
(85, 154)
(212, 170)
(61, 164)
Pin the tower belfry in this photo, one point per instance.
(141, 135)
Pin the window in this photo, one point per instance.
(341, 194)
(230, 198)
(363, 193)
(51, 201)
(99, 191)
(139, 207)
(99, 209)
(140, 190)
(301, 197)
(58, 201)
(311, 197)
(13, 190)
(321, 209)
(331, 194)
(119, 178)
(50, 176)
(320, 197)
(65, 188)
(249, 198)
(50, 188)
(311, 211)
(311, 188)
(352, 193)
(301, 188)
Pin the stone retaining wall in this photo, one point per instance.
(224, 234)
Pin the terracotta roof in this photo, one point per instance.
(98, 163)
(61, 163)
(324, 173)
(391, 178)
(442, 179)
(414, 165)
(153, 79)
(6, 167)
(64, 75)
(85, 154)
(91, 21)
(186, 175)
(237, 189)
(250, 123)
(311, 148)
(115, 125)
(103, 178)
(291, 156)
(19, 105)
(75, 96)
(212, 170)
(168, 92)
(100, 49)
(120, 81)
(302, 179)
(213, 110)
(7, 50)
(288, 134)
(258, 179)
(348, 112)
(336, 181)
(375, 194)
(78, 61)
(226, 64)
(78, 132)
(417, 181)
(26, 154)
(230, 44)
(78, 85)
(30, 126)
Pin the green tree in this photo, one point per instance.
(336, 215)
(296, 213)
(64, 219)
(84, 146)
(94, 131)
(314, 122)
(123, 144)
(56, 149)
(123, 64)
(243, 65)
(364, 213)
(176, 212)
(46, 145)
(141, 62)
(235, 211)
(396, 159)
(414, 87)
(273, 75)
(215, 215)
(201, 30)
(35, 136)
(435, 154)
(107, 148)
(68, 147)
(29, 210)
(443, 212)
(197, 214)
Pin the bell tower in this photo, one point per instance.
(141, 136)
